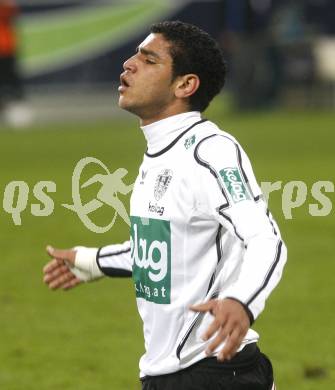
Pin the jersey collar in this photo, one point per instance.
(161, 133)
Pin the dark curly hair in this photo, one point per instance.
(194, 51)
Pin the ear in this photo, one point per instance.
(186, 85)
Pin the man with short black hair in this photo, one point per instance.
(204, 253)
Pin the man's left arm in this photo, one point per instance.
(234, 199)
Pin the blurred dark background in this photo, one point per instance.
(280, 53)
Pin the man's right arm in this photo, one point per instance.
(70, 267)
(115, 260)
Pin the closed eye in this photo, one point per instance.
(149, 61)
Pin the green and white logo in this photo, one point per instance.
(189, 141)
(151, 255)
(234, 184)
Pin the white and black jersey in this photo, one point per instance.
(200, 229)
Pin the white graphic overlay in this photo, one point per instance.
(111, 185)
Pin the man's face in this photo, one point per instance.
(146, 86)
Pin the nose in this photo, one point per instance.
(130, 64)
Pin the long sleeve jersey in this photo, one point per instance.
(200, 229)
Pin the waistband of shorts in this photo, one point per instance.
(243, 360)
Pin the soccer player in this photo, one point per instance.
(204, 252)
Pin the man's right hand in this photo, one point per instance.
(57, 272)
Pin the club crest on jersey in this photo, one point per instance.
(234, 184)
(162, 182)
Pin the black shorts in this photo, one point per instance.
(248, 370)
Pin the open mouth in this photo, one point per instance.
(124, 82)
(124, 85)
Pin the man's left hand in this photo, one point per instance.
(231, 323)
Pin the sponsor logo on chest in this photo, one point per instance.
(155, 208)
(151, 255)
